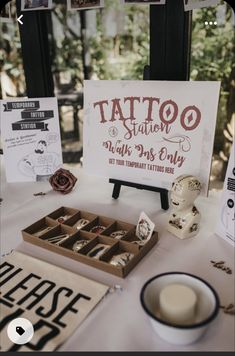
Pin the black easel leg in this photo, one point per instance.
(116, 190)
(164, 200)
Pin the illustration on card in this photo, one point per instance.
(41, 163)
(144, 228)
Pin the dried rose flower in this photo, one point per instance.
(63, 181)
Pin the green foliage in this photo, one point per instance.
(212, 47)
(10, 57)
(67, 49)
(121, 57)
(125, 55)
(213, 57)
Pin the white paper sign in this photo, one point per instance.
(226, 225)
(149, 132)
(54, 300)
(84, 5)
(31, 139)
(198, 4)
(32, 5)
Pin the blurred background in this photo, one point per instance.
(113, 43)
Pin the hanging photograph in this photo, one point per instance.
(149, 2)
(84, 4)
(5, 14)
(149, 132)
(30, 5)
(198, 4)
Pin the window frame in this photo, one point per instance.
(170, 46)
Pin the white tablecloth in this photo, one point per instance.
(119, 322)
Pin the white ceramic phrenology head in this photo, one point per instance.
(185, 189)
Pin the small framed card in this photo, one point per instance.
(144, 228)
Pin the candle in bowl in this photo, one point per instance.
(177, 304)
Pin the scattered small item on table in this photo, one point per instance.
(185, 218)
(121, 259)
(43, 231)
(115, 288)
(118, 234)
(98, 251)
(39, 194)
(97, 229)
(230, 309)
(63, 218)
(81, 223)
(78, 245)
(7, 254)
(63, 181)
(221, 265)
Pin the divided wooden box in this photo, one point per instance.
(125, 244)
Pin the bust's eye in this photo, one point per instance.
(181, 200)
(230, 203)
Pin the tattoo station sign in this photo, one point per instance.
(55, 306)
(150, 132)
(31, 139)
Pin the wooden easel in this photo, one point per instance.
(163, 192)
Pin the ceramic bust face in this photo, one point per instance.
(184, 218)
(185, 189)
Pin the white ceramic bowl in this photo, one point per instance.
(206, 311)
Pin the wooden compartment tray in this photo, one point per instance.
(97, 246)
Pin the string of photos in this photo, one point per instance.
(73, 5)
